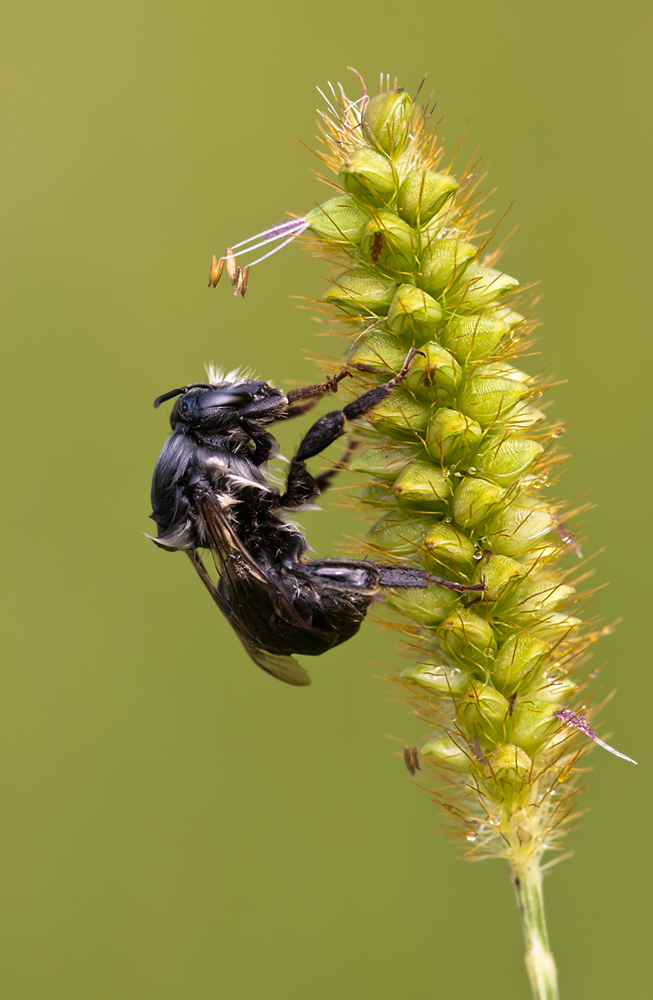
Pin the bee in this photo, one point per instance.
(209, 492)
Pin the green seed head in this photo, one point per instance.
(339, 220)
(487, 399)
(413, 314)
(370, 177)
(423, 484)
(456, 461)
(422, 195)
(478, 287)
(446, 751)
(506, 459)
(469, 639)
(451, 436)
(386, 119)
(443, 262)
(472, 338)
(475, 501)
(360, 289)
(391, 244)
(517, 662)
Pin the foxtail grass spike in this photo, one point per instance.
(461, 466)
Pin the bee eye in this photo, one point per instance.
(224, 397)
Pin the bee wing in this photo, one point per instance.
(284, 668)
(229, 552)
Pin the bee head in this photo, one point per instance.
(208, 406)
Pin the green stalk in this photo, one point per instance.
(540, 964)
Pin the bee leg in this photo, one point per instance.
(318, 389)
(324, 480)
(405, 577)
(363, 404)
(295, 402)
(266, 445)
(300, 486)
(331, 426)
(364, 576)
(268, 408)
(299, 408)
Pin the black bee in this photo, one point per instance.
(209, 492)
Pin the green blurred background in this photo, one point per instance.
(175, 824)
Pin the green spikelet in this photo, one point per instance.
(462, 467)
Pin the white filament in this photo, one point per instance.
(606, 746)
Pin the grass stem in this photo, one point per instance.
(540, 964)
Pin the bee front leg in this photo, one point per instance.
(331, 426)
(301, 487)
(314, 392)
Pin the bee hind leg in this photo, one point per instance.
(402, 577)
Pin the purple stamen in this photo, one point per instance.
(574, 719)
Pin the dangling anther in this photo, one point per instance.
(216, 270)
(239, 281)
(231, 266)
(244, 278)
(411, 758)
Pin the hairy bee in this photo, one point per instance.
(209, 492)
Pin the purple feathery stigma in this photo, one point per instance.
(574, 719)
(285, 231)
(276, 232)
(283, 228)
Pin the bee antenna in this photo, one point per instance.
(180, 392)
